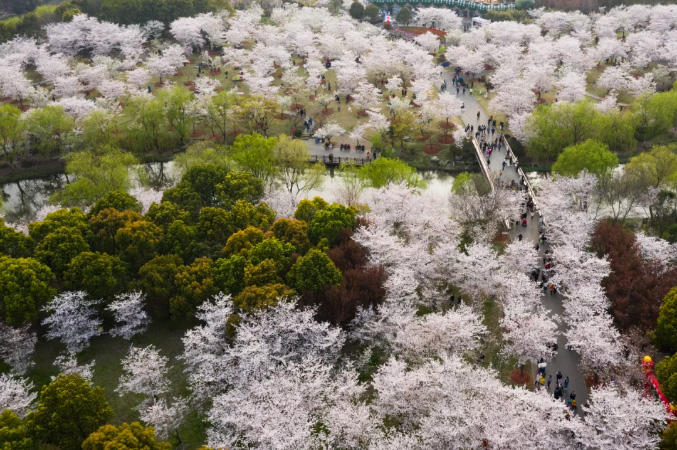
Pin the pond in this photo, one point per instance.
(23, 200)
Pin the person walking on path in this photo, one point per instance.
(566, 383)
(549, 381)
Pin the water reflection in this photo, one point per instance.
(25, 198)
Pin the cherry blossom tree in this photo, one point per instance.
(67, 363)
(449, 106)
(144, 372)
(16, 347)
(366, 96)
(329, 130)
(571, 87)
(164, 416)
(72, 319)
(436, 404)
(129, 314)
(620, 417)
(441, 18)
(16, 394)
(204, 347)
(167, 63)
(428, 41)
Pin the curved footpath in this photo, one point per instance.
(566, 361)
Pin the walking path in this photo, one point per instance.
(566, 361)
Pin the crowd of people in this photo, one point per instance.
(561, 385)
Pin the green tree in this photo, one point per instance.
(229, 274)
(214, 227)
(13, 433)
(401, 126)
(306, 209)
(656, 113)
(261, 297)
(69, 409)
(261, 274)
(255, 113)
(194, 284)
(666, 372)
(616, 129)
(25, 287)
(404, 15)
(73, 217)
(60, 246)
(165, 213)
(197, 188)
(126, 436)
(99, 128)
(470, 184)
(219, 114)
(665, 334)
(10, 131)
(554, 127)
(176, 101)
(147, 129)
(138, 242)
(96, 173)
(658, 166)
(329, 223)
(255, 154)
(14, 243)
(181, 239)
(372, 13)
(239, 186)
(119, 200)
(272, 249)
(239, 243)
(48, 130)
(202, 153)
(105, 225)
(291, 158)
(524, 4)
(156, 280)
(183, 196)
(590, 155)
(244, 214)
(99, 274)
(384, 171)
(669, 437)
(356, 10)
(314, 272)
(293, 231)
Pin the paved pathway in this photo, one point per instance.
(566, 361)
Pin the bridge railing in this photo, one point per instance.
(483, 163)
(337, 160)
(520, 172)
(452, 3)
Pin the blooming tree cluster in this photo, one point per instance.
(72, 319)
(16, 394)
(567, 206)
(17, 346)
(521, 64)
(130, 317)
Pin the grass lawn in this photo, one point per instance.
(107, 352)
(492, 349)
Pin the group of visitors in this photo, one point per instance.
(561, 384)
(308, 124)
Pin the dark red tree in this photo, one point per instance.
(635, 286)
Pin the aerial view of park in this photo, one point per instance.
(338, 224)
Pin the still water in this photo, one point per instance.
(24, 200)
